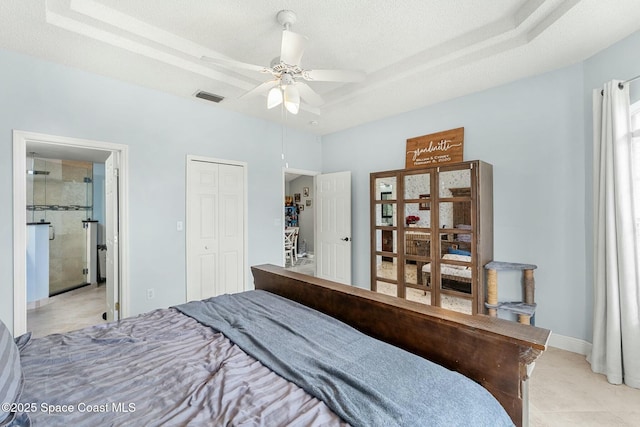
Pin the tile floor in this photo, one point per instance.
(304, 265)
(69, 311)
(563, 390)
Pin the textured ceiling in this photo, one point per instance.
(414, 52)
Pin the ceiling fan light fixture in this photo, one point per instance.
(288, 86)
(292, 107)
(292, 99)
(274, 98)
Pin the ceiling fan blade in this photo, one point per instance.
(333, 75)
(236, 64)
(309, 95)
(293, 45)
(261, 88)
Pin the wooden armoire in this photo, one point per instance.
(432, 234)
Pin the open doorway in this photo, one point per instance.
(74, 169)
(299, 221)
(65, 229)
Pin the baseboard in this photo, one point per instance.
(574, 345)
(39, 303)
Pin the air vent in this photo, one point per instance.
(209, 96)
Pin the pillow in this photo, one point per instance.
(456, 257)
(458, 252)
(10, 373)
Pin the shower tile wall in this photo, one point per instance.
(62, 198)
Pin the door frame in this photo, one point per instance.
(245, 224)
(20, 140)
(304, 172)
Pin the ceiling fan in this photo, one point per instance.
(289, 78)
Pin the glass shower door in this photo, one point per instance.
(63, 197)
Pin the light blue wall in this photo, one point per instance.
(537, 134)
(531, 131)
(160, 131)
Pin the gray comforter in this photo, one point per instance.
(365, 381)
(167, 369)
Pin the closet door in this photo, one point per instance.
(202, 230)
(231, 223)
(215, 229)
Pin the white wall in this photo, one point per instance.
(160, 131)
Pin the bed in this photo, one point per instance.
(276, 356)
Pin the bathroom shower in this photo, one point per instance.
(60, 194)
(33, 170)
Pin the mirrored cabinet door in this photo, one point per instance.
(385, 191)
(386, 242)
(384, 217)
(385, 188)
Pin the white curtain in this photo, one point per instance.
(616, 320)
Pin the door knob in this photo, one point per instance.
(345, 239)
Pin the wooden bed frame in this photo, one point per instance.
(496, 353)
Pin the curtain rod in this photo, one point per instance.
(621, 85)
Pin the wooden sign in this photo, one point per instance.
(435, 149)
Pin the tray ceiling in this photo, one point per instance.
(414, 52)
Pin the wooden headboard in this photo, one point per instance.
(494, 352)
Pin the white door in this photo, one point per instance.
(215, 229)
(111, 236)
(231, 247)
(333, 227)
